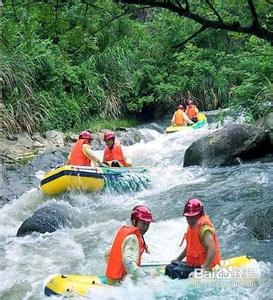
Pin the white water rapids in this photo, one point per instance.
(229, 195)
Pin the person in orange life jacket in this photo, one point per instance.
(180, 118)
(128, 246)
(192, 111)
(81, 153)
(113, 153)
(202, 246)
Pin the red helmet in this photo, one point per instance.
(180, 106)
(141, 212)
(190, 101)
(193, 207)
(85, 135)
(109, 135)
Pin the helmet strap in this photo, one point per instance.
(113, 144)
(145, 245)
(134, 222)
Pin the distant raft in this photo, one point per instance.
(80, 285)
(90, 179)
(202, 120)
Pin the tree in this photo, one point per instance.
(237, 16)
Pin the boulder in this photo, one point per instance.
(25, 140)
(213, 116)
(49, 160)
(71, 137)
(130, 136)
(38, 145)
(2, 191)
(47, 218)
(12, 137)
(260, 223)
(56, 138)
(19, 178)
(225, 145)
(267, 122)
(37, 137)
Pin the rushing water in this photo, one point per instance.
(230, 194)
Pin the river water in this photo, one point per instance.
(230, 194)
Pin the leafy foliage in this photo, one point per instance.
(66, 65)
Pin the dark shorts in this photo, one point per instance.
(179, 270)
(115, 163)
(194, 119)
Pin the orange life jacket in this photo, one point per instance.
(191, 111)
(114, 153)
(77, 157)
(178, 118)
(115, 269)
(195, 251)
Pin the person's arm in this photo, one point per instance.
(68, 160)
(187, 119)
(173, 120)
(180, 256)
(106, 254)
(104, 159)
(130, 253)
(86, 149)
(127, 159)
(196, 110)
(208, 242)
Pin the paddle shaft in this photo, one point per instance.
(151, 265)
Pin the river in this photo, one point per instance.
(230, 194)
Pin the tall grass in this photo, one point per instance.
(23, 109)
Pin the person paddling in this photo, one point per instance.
(180, 118)
(128, 247)
(192, 111)
(81, 153)
(113, 153)
(202, 246)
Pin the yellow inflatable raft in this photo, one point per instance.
(202, 120)
(82, 178)
(79, 285)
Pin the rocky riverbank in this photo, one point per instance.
(233, 144)
(24, 155)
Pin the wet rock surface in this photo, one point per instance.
(228, 145)
(17, 178)
(48, 218)
(260, 223)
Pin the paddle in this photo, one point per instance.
(154, 265)
(117, 170)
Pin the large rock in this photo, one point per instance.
(223, 146)
(213, 116)
(260, 223)
(129, 136)
(20, 178)
(267, 122)
(47, 218)
(55, 138)
(25, 140)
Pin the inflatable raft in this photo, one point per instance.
(79, 285)
(202, 120)
(91, 179)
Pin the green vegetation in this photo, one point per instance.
(98, 123)
(76, 65)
